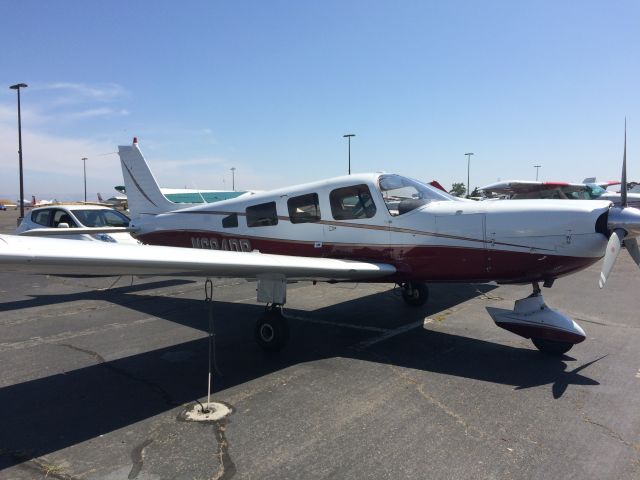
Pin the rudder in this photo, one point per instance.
(143, 193)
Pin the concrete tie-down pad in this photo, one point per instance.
(532, 318)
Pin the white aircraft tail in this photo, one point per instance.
(143, 193)
(100, 198)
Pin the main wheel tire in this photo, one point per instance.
(552, 347)
(272, 331)
(415, 294)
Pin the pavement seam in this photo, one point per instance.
(35, 341)
(137, 457)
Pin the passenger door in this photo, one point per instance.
(358, 226)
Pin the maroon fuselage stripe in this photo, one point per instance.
(413, 262)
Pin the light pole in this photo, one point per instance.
(84, 164)
(233, 178)
(468, 170)
(349, 135)
(537, 167)
(17, 87)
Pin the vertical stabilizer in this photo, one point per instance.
(143, 193)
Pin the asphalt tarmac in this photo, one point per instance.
(96, 374)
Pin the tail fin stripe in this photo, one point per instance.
(138, 185)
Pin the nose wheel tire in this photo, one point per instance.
(272, 330)
(415, 294)
(551, 347)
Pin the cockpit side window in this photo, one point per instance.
(352, 203)
(402, 195)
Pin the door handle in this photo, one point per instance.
(331, 227)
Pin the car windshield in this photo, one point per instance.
(402, 194)
(101, 218)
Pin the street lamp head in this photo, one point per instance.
(470, 153)
(18, 85)
(84, 159)
(349, 135)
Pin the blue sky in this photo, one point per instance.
(270, 87)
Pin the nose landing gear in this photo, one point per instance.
(550, 330)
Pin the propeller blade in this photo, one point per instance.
(632, 248)
(613, 249)
(623, 192)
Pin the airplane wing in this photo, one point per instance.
(607, 184)
(512, 187)
(74, 257)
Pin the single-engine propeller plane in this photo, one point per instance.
(364, 227)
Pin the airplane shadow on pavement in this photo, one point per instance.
(38, 299)
(48, 414)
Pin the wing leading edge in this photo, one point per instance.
(73, 257)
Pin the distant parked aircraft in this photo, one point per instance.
(589, 189)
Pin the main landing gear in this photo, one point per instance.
(550, 331)
(272, 329)
(415, 294)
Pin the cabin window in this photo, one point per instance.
(352, 203)
(41, 217)
(262, 215)
(304, 208)
(230, 221)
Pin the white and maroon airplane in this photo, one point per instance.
(367, 227)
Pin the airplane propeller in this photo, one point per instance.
(624, 225)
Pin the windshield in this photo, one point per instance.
(596, 190)
(101, 218)
(401, 194)
(590, 191)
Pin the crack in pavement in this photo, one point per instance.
(612, 433)
(474, 432)
(226, 469)
(40, 467)
(101, 361)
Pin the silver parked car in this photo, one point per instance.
(70, 217)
